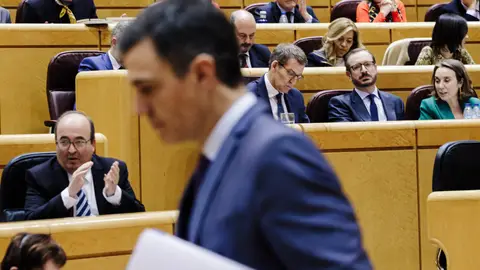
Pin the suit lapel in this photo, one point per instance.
(106, 59)
(388, 107)
(253, 57)
(288, 102)
(60, 178)
(359, 107)
(276, 13)
(262, 90)
(186, 203)
(214, 174)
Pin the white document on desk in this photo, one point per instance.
(159, 250)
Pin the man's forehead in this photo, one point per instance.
(359, 57)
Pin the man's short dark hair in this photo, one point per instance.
(181, 30)
(286, 51)
(92, 126)
(354, 51)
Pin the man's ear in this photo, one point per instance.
(203, 67)
(349, 75)
(113, 41)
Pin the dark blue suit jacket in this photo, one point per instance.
(293, 99)
(274, 13)
(270, 200)
(350, 108)
(40, 11)
(99, 62)
(456, 7)
(259, 56)
(46, 181)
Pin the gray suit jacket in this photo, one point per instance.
(4, 16)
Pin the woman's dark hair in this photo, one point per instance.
(465, 92)
(450, 30)
(32, 251)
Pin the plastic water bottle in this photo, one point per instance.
(283, 18)
(468, 111)
(476, 111)
(263, 17)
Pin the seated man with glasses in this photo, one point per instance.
(365, 102)
(77, 182)
(276, 86)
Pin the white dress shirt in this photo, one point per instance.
(115, 64)
(364, 96)
(292, 19)
(89, 190)
(272, 97)
(224, 126)
(472, 11)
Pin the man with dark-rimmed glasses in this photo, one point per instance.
(77, 182)
(276, 87)
(366, 102)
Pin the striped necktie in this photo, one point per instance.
(66, 10)
(82, 209)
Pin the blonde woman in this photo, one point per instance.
(342, 36)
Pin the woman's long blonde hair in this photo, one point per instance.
(337, 29)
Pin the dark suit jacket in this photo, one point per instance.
(350, 108)
(99, 62)
(293, 99)
(4, 16)
(259, 56)
(318, 59)
(270, 200)
(46, 181)
(274, 13)
(456, 7)
(40, 11)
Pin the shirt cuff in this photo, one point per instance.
(115, 198)
(309, 20)
(68, 201)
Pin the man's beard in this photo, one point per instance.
(359, 83)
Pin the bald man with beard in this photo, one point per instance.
(251, 55)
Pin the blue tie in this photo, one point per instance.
(279, 105)
(82, 208)
(199, 174)
(373, 108)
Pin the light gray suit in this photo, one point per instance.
(4, 16)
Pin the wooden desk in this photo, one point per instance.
(15, 145)
(25, 54)
(453, 226)
(103, 242)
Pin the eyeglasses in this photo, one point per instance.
(78, 143)
(369, 65)
(292, 74)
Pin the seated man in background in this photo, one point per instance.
(365, 102)
(4, 16)
(77, 182)
(251, 55)
(109, 60)
(33, 251)
(276, 86)
(468, 9)
(57, 11)
(288, 11)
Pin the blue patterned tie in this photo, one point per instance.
(82, 208)
(373, 108)
(279, 105)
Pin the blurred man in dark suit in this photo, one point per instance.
(251, 55)
(295, 11)
(366, 102)
(57, 11)
(262, 193)
(109, 60)
(77, 182)
(276, 87)
(4, 16)
(468, 9)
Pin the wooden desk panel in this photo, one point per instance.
(104, 13)
(108, 99)
(99, 263)
(165, 169)
(123, 3)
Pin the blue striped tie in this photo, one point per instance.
(82, 208)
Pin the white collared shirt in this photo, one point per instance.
(272, 97)
(114, 61)
(292, 19)
(366, 101)
(226, 123)
(89, 190)
(473, 11)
